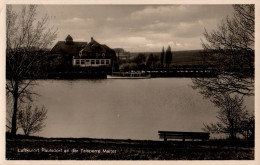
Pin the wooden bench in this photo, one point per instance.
(183, 135)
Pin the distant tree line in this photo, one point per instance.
(140, 62)
(144, 62)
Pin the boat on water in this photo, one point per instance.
(129, 75)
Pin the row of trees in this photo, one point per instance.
(143, 62)
(166, 57)
(231, 48)
(27, 38)
(140, 62)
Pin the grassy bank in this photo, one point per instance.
(108, 149)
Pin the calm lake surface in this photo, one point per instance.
(124, 108)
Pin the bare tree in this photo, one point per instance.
(231, 116)
(230, 51)
(31, 120)
(247, 128)
(26, 39)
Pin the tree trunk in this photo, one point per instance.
(15, 109)
(232, 131)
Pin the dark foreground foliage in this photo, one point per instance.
(36, 148)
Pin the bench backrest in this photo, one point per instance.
(181, 135)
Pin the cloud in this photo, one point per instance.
(156, 26)
(154, 11)
(139, 27)
(76, 23)
(188, 30)
(180, 13)
(110, 19)
(133, 40)
(76, 19)
(80, 39)
(136, 40)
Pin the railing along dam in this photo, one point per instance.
(183, 72)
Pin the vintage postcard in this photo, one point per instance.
(129, 82)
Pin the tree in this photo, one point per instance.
(230, 51)
(162, 57)
(150, 61)
(31, 120)
(26, 41)
(9, 114)
(119, 51)
(231, 116)
(133, 66)
(140, 59)
(124, 67)
(247, 128)
(168, 56)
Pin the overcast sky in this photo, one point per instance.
(137, 28)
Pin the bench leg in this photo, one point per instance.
(165, 139)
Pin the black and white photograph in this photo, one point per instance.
(129, 82)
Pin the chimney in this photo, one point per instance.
(69, 40)
(92, 39)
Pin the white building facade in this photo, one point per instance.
(91, 62)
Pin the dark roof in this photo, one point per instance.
(108, 49)
(73, 48)
(94, 46)
(61, 47)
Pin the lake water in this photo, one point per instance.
(123, 108)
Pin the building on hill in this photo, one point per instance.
(95, 54)
(69, 54)
(62, 53)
